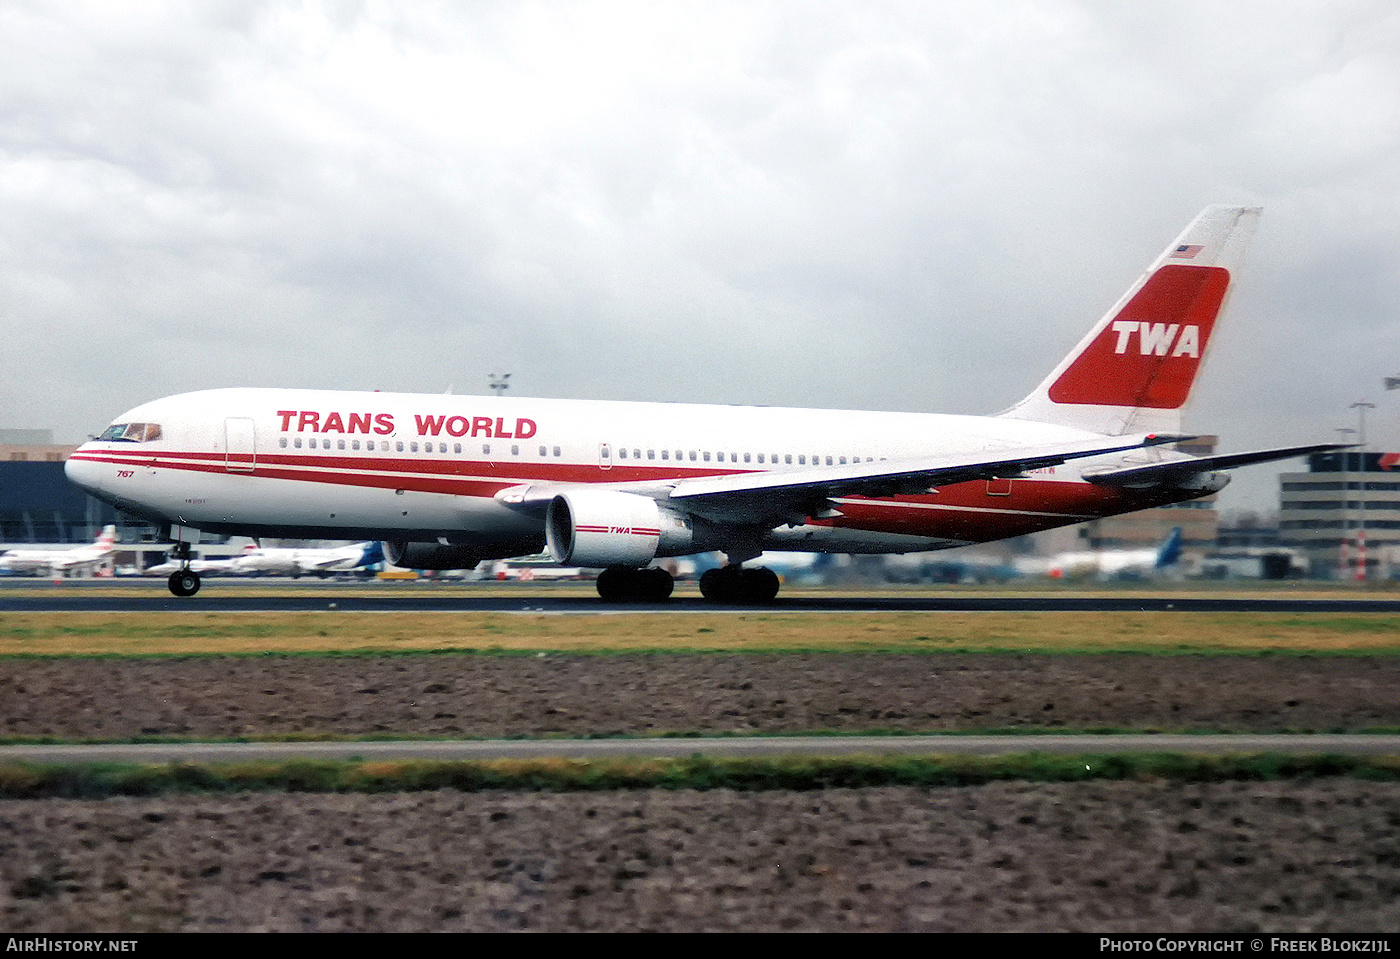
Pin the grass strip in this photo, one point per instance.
(98, 781)
(355, 633)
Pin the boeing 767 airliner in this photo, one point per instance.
(449, 481)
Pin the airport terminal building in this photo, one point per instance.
(37, 503)
(1343, 511)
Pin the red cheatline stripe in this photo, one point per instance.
(316, 467)
(633, 530)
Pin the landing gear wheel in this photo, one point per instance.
(620, 584)
(184, 582)
(734, 584)
(720, 585)
(759, 585)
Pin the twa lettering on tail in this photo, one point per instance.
(1148, 354)
(1155, 339)
(618, 486)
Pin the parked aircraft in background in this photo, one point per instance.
(1107, 563)
(534, 568)
(450, 481)
(306, 561)
(56, 560)
(204, 567)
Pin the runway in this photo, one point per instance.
(106, 596)
(755, 746)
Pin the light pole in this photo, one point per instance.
(500, 382)
(1361, 407)
(1343, 559)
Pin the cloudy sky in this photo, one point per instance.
(905, 206)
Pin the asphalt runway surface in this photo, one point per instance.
(29, 595)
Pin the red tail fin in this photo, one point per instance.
(1149, 354)
(1134, 371)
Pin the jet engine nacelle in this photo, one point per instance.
(430, 556)
(600, 528)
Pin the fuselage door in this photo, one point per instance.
(240, 449)
(604, 456)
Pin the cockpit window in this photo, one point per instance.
(131, 433)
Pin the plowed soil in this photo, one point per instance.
(1102, 857)
(497, 696)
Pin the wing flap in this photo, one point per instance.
(1170, 471)
(773, 498)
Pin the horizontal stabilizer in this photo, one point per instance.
(1171, 471)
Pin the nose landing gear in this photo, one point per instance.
(184, 581)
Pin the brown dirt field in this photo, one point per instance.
(500, 696)
(1101, 857)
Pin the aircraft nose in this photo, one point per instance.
(82, 472)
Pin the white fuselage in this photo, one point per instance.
(428, 468)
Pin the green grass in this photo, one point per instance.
(358, 633)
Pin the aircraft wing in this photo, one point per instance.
(1177, 470)
(769, 499)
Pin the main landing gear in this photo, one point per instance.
(728, 584)
(734, 584)
(622, 584)
(184, 581)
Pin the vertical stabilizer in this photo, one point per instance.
(1134, 371)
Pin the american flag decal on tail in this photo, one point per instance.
(1186, 252)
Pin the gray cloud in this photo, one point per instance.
(899, 206)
